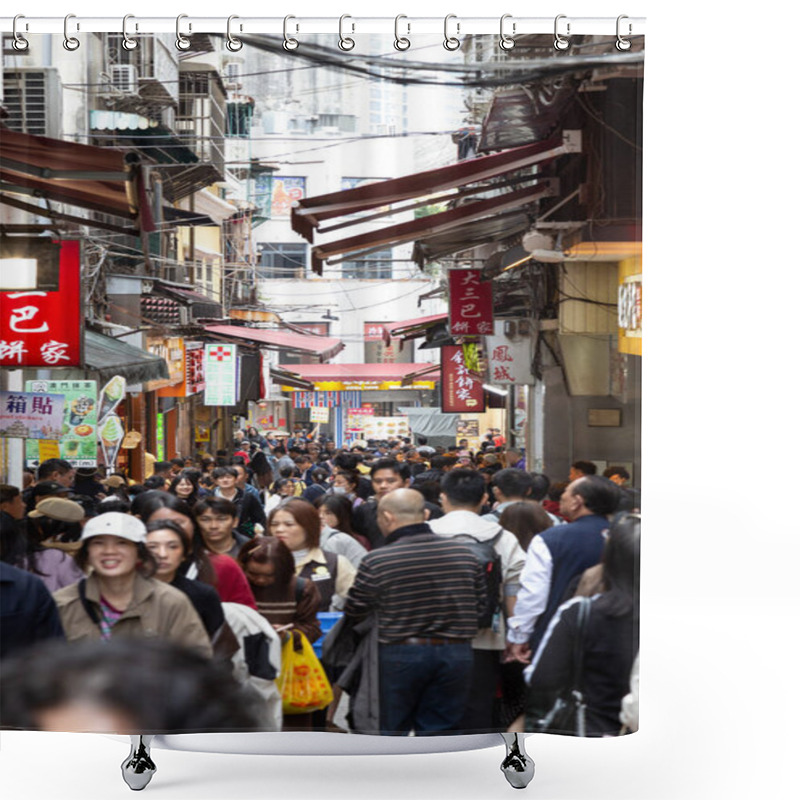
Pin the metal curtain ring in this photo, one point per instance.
(450, 42)
(345, 42)
(623, 44)
(401, 42)
(560, 42)
(507, 42)
(289, 43)
(70, 42)
(127, 42)
(181, 41)
(233, 44)
(20, 42)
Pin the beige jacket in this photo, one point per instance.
(156, 609)
(345, 574)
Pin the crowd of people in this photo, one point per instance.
(458, 576)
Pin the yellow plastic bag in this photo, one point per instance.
(303, 684)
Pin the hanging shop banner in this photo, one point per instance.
(44, 329)
(185, 361)
(78, 439)
(461, 391)
(29, 415)
(471, 311)
(509, 359)
(222, 377)
(356, 418)
(110, 397)
(265, 388)
(112, 432)
(320, 414)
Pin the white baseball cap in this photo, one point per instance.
(115, 523)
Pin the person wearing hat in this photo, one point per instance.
(57, 522)
(120, 597)
(43, 489)
(22, 545)
(86, 483)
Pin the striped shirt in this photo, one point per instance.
(419, 584)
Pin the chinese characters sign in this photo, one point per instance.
(509, 360)
(461, 390)
(25, 415)
(78, 430)
(43, 329)
(222, 378)
(471, 311)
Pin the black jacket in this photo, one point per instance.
(610, 647)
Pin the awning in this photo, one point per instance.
(413, 328)
(107, 357)
(433, 224)
(81, 175)
(323, 347)
(199, 305)
(345, 373)
(284, 378)
(309, 212)
(484, 231)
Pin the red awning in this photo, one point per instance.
(322, 346)
(309, 212)
(413, 328)
(363, 372)
(95, 178)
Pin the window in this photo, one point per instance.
(372, 266)
(282, 260)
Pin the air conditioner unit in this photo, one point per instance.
(33, 100)
(125, 78)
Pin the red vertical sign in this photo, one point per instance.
(471, 312)
(43, 329)
(461, 390)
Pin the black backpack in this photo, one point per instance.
(492, 568)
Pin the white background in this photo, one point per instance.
(720, 609)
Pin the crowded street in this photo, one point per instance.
(275, 477)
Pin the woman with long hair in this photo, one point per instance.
(525, 519)
(298, 525)
(169, 545)
(186, 487)
(335, 513)
(120, 596)
(609, 640)
(286, 601)
(220, 571)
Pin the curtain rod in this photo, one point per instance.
(403, 25)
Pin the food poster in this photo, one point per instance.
(110, 397)
(78, 442)
(381, 428)
(112, 432)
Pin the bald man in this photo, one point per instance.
(428, 593)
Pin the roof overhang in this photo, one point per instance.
(440, 183)
(95, 178)
(322, 347)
